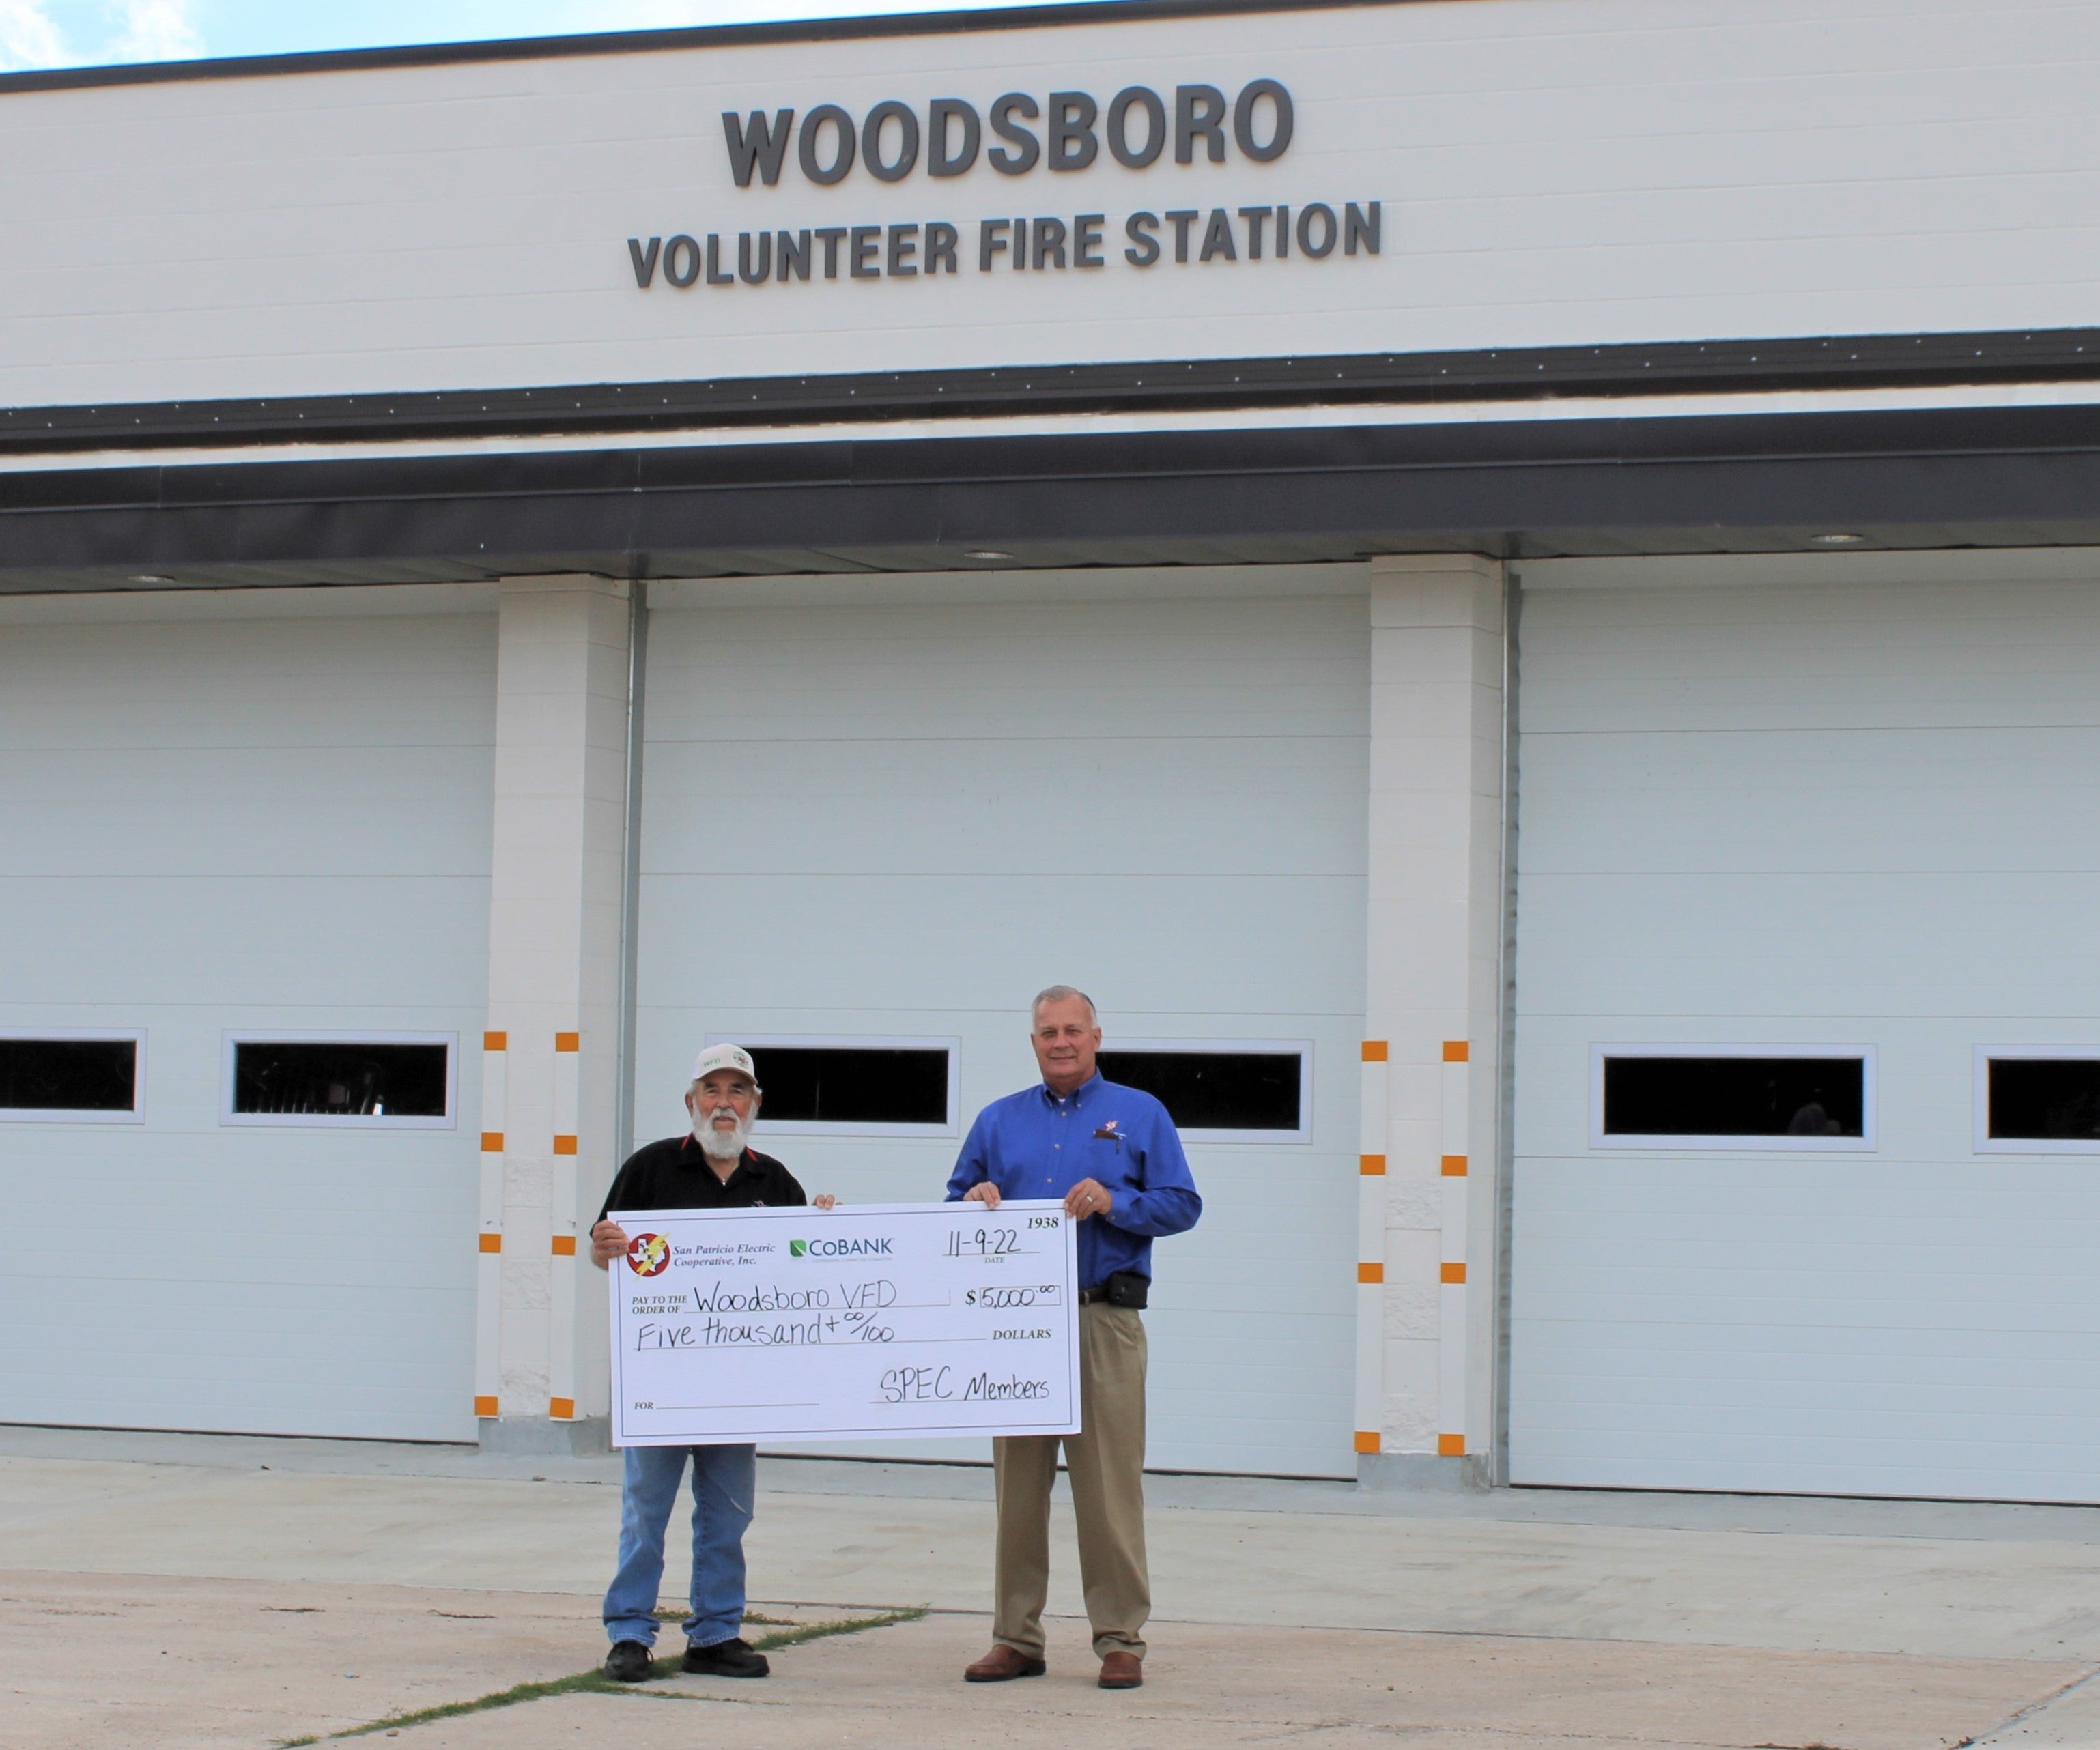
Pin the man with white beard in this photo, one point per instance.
(711, 1167)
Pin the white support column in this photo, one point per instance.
(488, 1266)
(553, 996)
(1453, 1291)
(1370, 1255)
(562, 1296)
(1432, 1002)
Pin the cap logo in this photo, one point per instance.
(723, 1057)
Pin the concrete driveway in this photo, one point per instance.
(169, 1592)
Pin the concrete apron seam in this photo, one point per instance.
(2038, 1705)
(594, 1682)
(1504, 1634)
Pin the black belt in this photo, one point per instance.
(1122, 1288)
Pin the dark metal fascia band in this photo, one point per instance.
(1515, 376)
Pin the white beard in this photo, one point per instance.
(722, 1145)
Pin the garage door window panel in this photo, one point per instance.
(392, 1080)
(1789, 1098)
(2038, 1100)
(73, 1077)
(843, 1085)
(1222, 1090)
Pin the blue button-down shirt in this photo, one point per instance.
(1036, 1143)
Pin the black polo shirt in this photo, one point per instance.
(674, 1175)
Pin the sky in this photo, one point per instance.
(97, 32)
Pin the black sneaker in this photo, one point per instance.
(725, 1659)
(628, 1661)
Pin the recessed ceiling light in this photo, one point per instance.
(148, 577)
(986, 552)
(1836, 540)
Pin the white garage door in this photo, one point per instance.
(266, 812)
(1769, 805)
(903, 819)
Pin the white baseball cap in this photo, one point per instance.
(725, 1057)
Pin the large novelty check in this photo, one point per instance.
(894, 1321)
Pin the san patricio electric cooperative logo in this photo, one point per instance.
(839, 1249)
(648, 1254)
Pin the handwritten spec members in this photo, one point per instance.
(712, 1167)
(1112, 1154)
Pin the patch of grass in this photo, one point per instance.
(673, 1613)
(595, 1682)
(583, 1683)
(818, 1631)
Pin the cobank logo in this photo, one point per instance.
(648, 1254)
(839, 1249)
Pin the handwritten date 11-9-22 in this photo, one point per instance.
(996, 1242)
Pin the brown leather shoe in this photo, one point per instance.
(1003, 1665)
(1123, 1671)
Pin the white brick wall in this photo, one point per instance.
(1426, 1340)
(554, 911)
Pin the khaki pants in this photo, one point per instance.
(1106, 1463)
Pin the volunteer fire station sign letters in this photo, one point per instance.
(1017, 136)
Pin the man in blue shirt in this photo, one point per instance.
(1111, 1153)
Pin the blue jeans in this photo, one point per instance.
(724, 1478)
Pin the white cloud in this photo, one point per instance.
(155, 30)
(29, 38)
